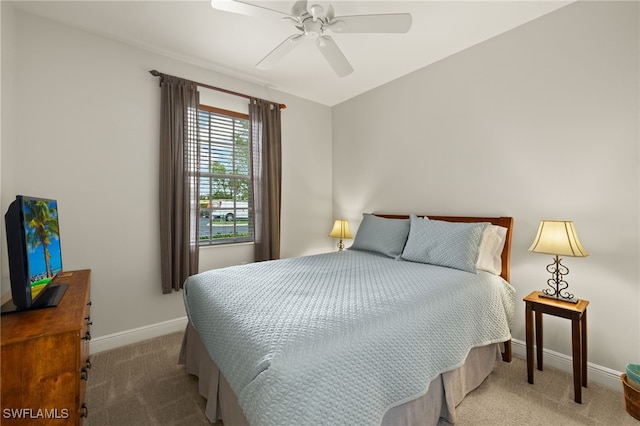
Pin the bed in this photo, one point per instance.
(395, 330)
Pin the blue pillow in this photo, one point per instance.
(451, 244)
(381, 235)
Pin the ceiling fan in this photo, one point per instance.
(313, 22)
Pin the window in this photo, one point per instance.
(225, 177)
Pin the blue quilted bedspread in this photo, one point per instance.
(339, 338)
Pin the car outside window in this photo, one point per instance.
(225, 191)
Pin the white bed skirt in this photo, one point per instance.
(445, 392)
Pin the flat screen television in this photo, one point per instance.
(34, 252)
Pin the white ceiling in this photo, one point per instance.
(229, 43)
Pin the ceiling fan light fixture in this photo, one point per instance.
(313, 29)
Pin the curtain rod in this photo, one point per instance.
(230, 92)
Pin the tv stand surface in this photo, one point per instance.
(49, 298)
(45, 358)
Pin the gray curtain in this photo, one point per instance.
(179, 159)
(264, 118)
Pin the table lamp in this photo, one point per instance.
(341, 230)
(559, 238)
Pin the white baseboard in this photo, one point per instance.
(595, 373)
(115, 340)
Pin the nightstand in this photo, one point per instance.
(577, 313)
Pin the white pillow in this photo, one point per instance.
(491, 245)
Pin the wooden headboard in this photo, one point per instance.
(504, 221)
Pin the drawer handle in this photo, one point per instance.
(89, 303)
(84, 411)
(88, 363)
(87, 336)
(84, 374)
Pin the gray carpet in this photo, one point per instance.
(141, 384)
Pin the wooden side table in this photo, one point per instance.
(577, 313)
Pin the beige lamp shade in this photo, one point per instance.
(341, 230)
(558, 237)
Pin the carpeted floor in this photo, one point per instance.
(142, 384)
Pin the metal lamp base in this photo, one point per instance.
(558, 286)
(558, 298)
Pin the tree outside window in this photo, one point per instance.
(225, 177)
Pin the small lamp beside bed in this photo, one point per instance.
(559, 238)
(341, 230)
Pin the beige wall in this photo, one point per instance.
(7, 97)
(538, 123)
(86, 121)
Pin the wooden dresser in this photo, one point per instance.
(45, 358)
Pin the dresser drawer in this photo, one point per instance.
(84, 367)
(45, 358)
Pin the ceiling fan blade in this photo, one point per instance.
(279, 52)
(299, 8)
(384, 23)
(334, 56)
(251, 8)
(331, 14)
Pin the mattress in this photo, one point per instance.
(341, 338)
